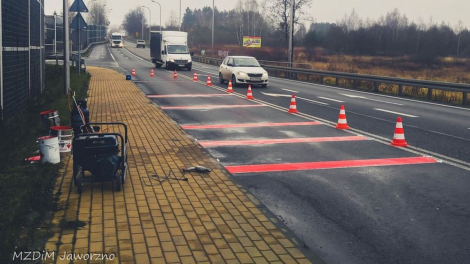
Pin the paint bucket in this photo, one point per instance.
(50, 118)
(49, 148)
(65, 135)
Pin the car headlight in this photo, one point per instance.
(171, 59)
(242, 74)
(265, 74)
(189, 60)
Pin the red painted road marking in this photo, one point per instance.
(328, 165)
(206, 106)
(250, 125)
(186, 95)
(208, 143)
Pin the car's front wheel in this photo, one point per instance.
(234, 81)
(221, 80)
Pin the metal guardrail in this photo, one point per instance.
(60, 56)
(286, 64)
(376, 80)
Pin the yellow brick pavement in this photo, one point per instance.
(207, 219)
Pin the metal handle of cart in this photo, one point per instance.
(112, 123)
(123, 140)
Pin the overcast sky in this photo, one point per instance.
(449, 11)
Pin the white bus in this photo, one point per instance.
(117, 40)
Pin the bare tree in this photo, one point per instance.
(172, 23)
(458, 30)
(97, 13)
(133, 21)
(351, 22)
(281, 12)
(239, 22)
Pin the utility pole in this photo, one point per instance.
(291, 35)
(213, 14)
(66, 46)
(79, 55)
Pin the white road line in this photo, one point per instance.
(112, 55)
(365, 98)
(133, 54)
(289, 90)
(334, 100)
(312, 101)
(391, 112)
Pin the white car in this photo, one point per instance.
(242, 70)
(140, 43)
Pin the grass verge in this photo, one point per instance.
(26, 190)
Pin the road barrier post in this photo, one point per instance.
(464, 98)
(321, 79)
(337, 81)
(429, 93)
(376, 87)
(400, 89)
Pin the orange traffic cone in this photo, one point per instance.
(209, 82)
(152, 74)
(249, 95)
(175, 75)
(133, 72)
(230, 89)
(399, 136)
(195, 77)
(293, 105)
(342, 123)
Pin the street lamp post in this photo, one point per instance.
(180, 17)
(153, 1)
(150, 22)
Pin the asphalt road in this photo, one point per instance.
(372, 213)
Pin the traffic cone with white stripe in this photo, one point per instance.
(175, 75)
(133, 72)
(342, 123)
(195, 77)
(209, 82)
(293, 105)
(249, 95)
(230, 89)
(399, 136)
(152, 74)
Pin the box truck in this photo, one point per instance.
(170, 48)
(116, 40)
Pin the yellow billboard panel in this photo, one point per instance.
(251, 42)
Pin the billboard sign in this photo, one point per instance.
(251, 42)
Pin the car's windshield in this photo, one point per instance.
(245, 62)
(116, 37)
(178, 49)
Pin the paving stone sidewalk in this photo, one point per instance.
(207, 219)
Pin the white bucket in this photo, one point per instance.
(65, 135)
(49, 148)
